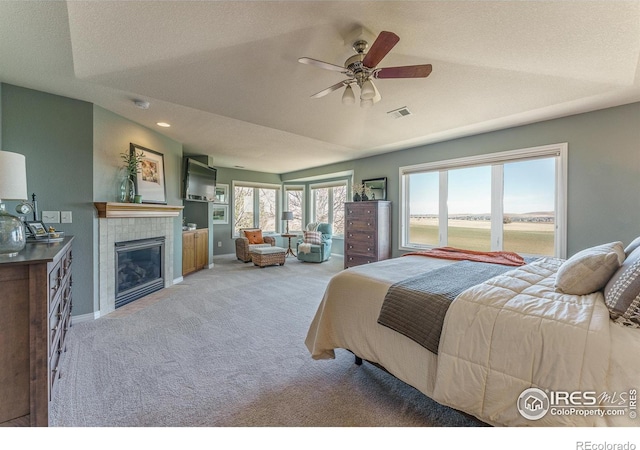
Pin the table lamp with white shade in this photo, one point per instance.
(13, 186)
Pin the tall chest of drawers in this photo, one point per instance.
(36, 304)
(367, 232)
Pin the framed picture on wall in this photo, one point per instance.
(220, 214)
(149, 181)
(222, 193)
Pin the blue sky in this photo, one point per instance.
(528, 187)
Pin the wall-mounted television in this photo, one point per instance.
(199, 181)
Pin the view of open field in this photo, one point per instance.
(531, 238)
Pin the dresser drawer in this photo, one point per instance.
(360, 224)
(358, 248)
(55, 325)
(361, 210)
(54, 367)
(55, 282)
(357, 260)
(362, 235)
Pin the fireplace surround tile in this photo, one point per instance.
(114, 230)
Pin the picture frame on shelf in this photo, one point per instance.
(377, 187)
(222, 193)
(220, 214)
(150, 181)
(38, 229)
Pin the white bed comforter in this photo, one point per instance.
(514, 332)
(499, 338)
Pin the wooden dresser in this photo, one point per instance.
(367, 236)
(36, 314)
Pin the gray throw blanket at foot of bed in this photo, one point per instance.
(416, 307)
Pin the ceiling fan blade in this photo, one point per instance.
(330, 89)
(420, 71)
(322, 64)
(383, 44)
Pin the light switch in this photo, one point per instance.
(51, 216)
(66, 216)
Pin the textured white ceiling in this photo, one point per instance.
(225, 74)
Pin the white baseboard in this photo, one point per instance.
(86, 317)
(178, 280)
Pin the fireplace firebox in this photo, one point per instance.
(139, 269)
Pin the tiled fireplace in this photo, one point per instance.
(115, 227)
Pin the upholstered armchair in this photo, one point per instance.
(315, 247)
(250, 239)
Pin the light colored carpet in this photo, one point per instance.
(225, 348)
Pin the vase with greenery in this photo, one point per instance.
(131, 168)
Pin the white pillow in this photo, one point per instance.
(589, 270)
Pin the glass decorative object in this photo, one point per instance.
(127, 190)
(12, 233)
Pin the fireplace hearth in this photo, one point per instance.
(139, 269)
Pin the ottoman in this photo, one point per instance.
(267, 256)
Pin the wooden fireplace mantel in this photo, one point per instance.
(114, 210)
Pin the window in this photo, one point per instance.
(513, 201)
(328, 204)
(256, 206)
(294, 202)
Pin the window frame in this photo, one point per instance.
(285, 202)
(496, 161)
(256, 203)
(328, 184)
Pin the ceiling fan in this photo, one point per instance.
(362, 68)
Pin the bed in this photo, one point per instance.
(507, 344)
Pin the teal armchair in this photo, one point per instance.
(316, 252)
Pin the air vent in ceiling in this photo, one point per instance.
(399, 113)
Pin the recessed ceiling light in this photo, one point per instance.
(163, 124)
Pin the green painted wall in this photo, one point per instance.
(604, 169)
(56, 136)
(112, 136)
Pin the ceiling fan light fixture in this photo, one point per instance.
(348, 98)
(366, 103)
(368, 90)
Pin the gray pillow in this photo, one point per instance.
(632, 246)
(589, 270)
(622, 293)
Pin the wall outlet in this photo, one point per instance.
(51, 216)
(219, 243)
(66, 216)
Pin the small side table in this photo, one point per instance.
(289, 249)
